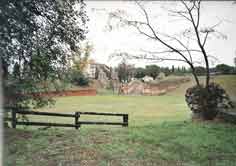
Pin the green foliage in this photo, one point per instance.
(125, 71)
(152, 71)
(179, 71)
(139, 72)
(77, 78)
(235, 62)
(80, 60)
(208, 102)
(75, 73)
(165, 70)
(224, 69)
(200, 71)
(73, 76)
(38, 37)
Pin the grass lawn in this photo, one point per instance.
(160, 133)
(142, 110)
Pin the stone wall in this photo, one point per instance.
(137, 87)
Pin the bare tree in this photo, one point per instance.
(188, 46)
(174, 44)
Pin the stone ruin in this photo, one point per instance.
(134, 87)
(106, 79)
(137, 87)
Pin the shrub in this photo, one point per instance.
(77, 78)
(207, 103)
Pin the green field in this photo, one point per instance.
(160, 133)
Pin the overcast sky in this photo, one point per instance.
(128, 39)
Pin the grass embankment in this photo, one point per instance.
(160, 133)
(228, 82)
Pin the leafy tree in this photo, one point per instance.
(75, 73)
(235, 64)
(38, 39)
(166, 70)
(178, 71)
(80, 61)
(224, 69)
(200, 71)
(139, 72)
(125, 71)
(152, 70)
(173, 69)
(77, 78)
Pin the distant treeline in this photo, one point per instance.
(126, 72)
(218, 69)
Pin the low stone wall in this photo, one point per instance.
(154, 91)
(80, 92)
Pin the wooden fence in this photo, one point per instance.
(76, 116)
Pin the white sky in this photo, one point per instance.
(128, 39)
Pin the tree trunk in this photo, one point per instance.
(4, 77)
(194, 74)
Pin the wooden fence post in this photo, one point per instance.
(77, 125)
(14, 120)
(125, 120)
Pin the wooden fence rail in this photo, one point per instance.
(125, 118)
(77, 124)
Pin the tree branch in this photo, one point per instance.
(199, 43)
(179, 14)
(144, 11)
(204, 42)
(146, 57)
(198, 13)
(169, 51)
(141, 32)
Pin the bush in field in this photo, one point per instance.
(212, 101)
